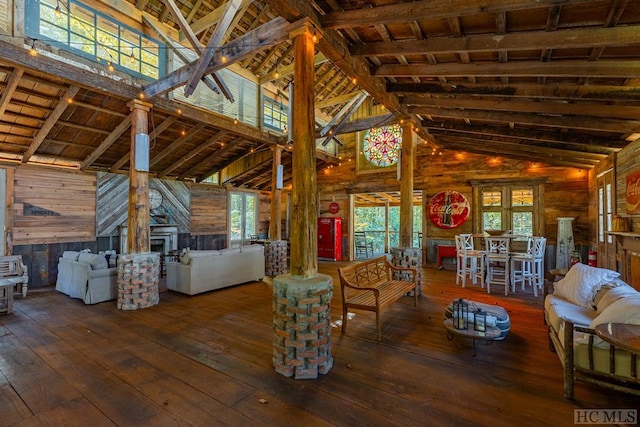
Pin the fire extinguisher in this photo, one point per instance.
(593, 259)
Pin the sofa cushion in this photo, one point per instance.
(187, 256)
(624, 310)
(97, 262)
(71, 255)
(559, 309)
(582, 282)
(612, 295)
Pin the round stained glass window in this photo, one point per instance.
(381, 146)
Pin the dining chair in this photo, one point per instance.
(528, 268)
(469, 261)
(363, 246)
(497, 262)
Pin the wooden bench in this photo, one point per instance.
(370, 286)
(14, 272)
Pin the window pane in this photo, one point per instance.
(235, 217)
(492, 198)
(522, 223)
(250, 215)
(492, 221)
(522, 197)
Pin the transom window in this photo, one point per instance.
(80, 29)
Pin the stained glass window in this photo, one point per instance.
(381, 146)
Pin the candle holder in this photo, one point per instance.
(480, 320)
(460, 313)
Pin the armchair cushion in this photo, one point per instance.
(96, 261)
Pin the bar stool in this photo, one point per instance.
(531, 269)
(497, 262)
(469, 261)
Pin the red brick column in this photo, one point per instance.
(407, 257)
(302, 326)
(138, 277)
(276, 261)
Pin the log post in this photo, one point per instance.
(406, 185)
(138, 234)
(304, 212)
(275, 224)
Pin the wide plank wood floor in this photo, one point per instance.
(206, 361)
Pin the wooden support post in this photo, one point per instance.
(275, 224)
(406, 185)
(304, 213)
(138, 234)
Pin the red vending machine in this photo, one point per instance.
(330, 238)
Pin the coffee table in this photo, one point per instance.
(489, 335)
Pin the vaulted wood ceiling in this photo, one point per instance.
(541, 80)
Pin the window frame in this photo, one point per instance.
(121, 53)
(506, 187)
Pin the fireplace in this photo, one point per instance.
(163, 238)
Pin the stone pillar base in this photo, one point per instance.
(138, 277)
(407, 257)
(302, 326)
(276, 261)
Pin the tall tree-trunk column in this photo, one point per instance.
(138, 234)
(302, 299)
(138, 269)
(406, 185)
(276, 258)
(405, 255)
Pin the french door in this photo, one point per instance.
(605, 182)
(243, 217)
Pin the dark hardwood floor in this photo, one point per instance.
(206, 361)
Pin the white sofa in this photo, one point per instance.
(87, 276)
(202, 271)
(584, 298)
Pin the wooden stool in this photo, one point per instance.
(6, 299)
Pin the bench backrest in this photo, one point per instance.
(11, 265)
(366, 273)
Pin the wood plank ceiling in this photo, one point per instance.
(540, 80)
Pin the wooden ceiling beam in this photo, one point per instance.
(226, 163)
(206, 53)
(566, 68)
(214, 140)
(50, 122)
(590, 109)
(581, 143)
(211, 158)
(157, 130)
(9, 89)
(499, 149)
(108, 142)
(288, 70)
(195, 43)
(584, 123)
(428, 9)
(173, 146)
(577, 38)
(524, 90)
(273, 32)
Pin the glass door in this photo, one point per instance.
(243, 217)
(606, 242)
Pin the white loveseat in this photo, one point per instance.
(87, 276)
(584, 298)
(202, 271)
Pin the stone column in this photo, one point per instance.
(302, 299)
(138, 280)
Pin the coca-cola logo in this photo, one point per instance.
(448, 209)
(633, 193)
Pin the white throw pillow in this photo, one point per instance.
(582, 282)
(613, 295)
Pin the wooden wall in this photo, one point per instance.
(208, 209)
(566, 192)
(113, 203)
(53, 206)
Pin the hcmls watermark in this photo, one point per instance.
(605, 416)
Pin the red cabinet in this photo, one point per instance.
(330, 238)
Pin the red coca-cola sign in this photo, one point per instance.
(448, 209)
(633, 193)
